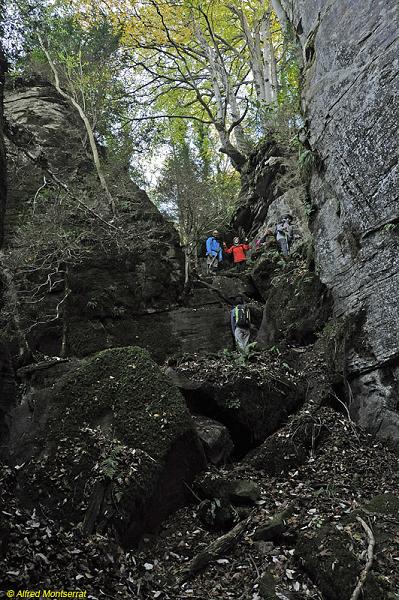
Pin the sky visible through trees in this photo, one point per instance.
(179, 91)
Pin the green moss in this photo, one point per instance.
(267, 587)
(124, 387)
(385, 504)
(333, 566)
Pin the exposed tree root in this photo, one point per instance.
(215, 549)
(370, 558)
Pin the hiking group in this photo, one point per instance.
(215, 249)
(282, 233)
(240, 315)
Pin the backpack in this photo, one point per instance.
(242, 316)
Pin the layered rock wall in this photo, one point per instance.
(271, 186)
(121, 292)
(7, 385)
(120, 273)
(2, 148)
(350, 89)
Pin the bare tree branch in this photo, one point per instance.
(93, 145)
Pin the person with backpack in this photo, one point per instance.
(284, 234)
(241, 325)
(268, 237)
(214, 254)
(238, 251)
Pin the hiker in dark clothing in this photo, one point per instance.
(240, 318)
(267, 239)
(238, 251)
(214, 253)
(284, 234)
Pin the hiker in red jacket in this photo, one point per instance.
(238, 251)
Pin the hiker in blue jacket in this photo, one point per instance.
(214, 254)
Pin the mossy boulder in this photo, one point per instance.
(119, 436)
(237, 491)
(274, 530)
(384, 504)
(296, 308)
(252, 400)
(331, 562)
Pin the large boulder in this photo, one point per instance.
(297, 306)
(350, 87)
(7, 392)
(328, 556)
(126, 286)
(119, 273)
(252, 400)
(292, 445)
(111, 444)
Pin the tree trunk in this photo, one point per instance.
(271, 58)
(280, 14)
(89, 130)
(267, 58)
(243, 144)
(237, 158)
(67, 291)
(220, 80)
(12, 304)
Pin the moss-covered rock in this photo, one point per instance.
(328, 557)
(237, 491)
(117, 434)
(252, 400)
(274, 530)
(297, 307)
(384, 504)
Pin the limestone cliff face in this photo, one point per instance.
(7, 387)
(118, 296)
(270, 187)
(350, 51)
(2, 149)
(117, 281)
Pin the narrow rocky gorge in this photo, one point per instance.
(141, 457)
